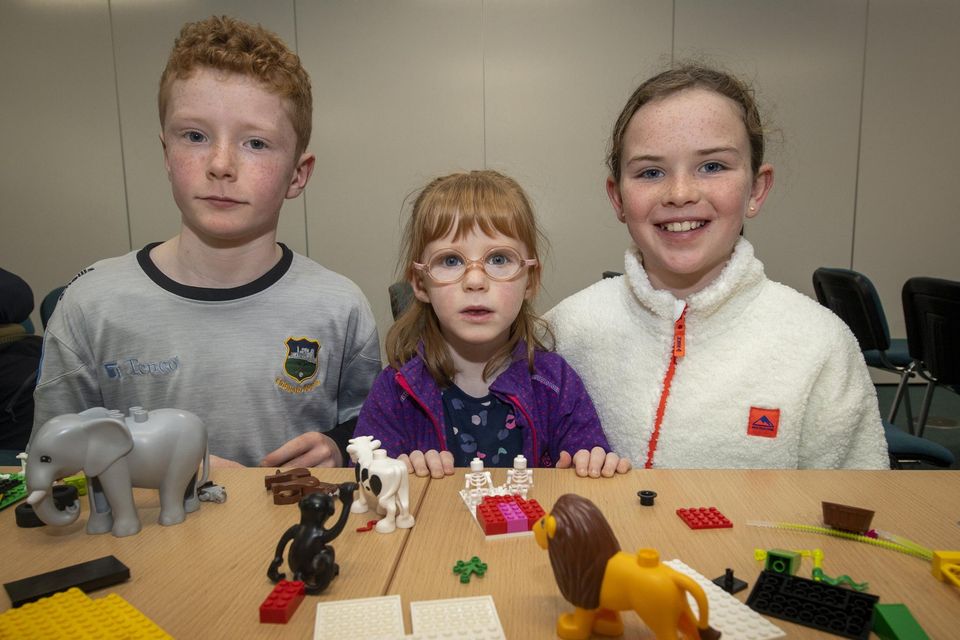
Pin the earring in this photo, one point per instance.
(752, 208)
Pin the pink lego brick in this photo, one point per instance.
(282, 602)
(704, 518)
(516, 520)
(533, 512)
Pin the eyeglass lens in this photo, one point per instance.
(499, 264)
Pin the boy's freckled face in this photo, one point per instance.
(686, 186)
(229, 150)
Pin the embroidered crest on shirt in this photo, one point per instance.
(300, 365)
(763, 422)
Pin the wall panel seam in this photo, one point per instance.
(116, 96)
(856, 177)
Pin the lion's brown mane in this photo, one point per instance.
(580, 549)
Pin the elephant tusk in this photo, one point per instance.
(36, 496)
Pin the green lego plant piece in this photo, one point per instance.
(465, 569)
(895, 622)
(782, 561)
(844, 580)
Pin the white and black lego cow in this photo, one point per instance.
(383, 483)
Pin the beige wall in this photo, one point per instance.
(863, 96)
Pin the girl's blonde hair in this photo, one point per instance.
(461, 202)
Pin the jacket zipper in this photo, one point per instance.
(441, 438)
(679, 349)
(515, 401)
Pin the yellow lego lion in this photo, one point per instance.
(600, 580)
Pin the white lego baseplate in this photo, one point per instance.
(456, 618)
(361, 619)
(728, 615)
(382, 619)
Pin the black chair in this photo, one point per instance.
(49, 304)
(401, 295)
(903, 447)
(931, 309)
(853, 297)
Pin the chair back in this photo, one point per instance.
(49, 304)
(401, 295)
(853, 297)
(931, 309)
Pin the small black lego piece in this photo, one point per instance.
(813, 604)
(26, 517)
(87, 576)
(63, 496)
(729, 583)
(310, 559)
(647, 497)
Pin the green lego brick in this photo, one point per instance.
(782, 562)
(12, 489)
(895, 622)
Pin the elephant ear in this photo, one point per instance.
(108, 439)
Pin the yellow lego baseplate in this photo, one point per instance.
(72, 615)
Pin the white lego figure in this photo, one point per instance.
(519, 479)
(22, 457)
(383, 482)
(477, 483)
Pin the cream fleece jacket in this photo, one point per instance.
(753, 346)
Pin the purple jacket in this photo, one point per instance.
(404, 410)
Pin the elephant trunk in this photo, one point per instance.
(45, 508)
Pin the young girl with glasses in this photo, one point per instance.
(714, 364)
(469, 375)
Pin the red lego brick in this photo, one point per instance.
(490, 517)
(282, 602)
(704, 518)
(533, 511)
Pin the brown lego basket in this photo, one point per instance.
(841, 516)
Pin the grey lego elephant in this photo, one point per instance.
(159, 449)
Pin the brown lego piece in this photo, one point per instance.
(285, 476)
(841, 516)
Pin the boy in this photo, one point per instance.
(269, 348)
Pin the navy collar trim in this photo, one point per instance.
(206, 294)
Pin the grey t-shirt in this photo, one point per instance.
(294, 351)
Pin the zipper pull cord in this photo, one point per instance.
(679, 350)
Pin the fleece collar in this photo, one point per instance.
(718, 304)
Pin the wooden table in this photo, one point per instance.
(207, 576)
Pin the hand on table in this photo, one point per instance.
(594, 463)
(432, 463)
(311, 449)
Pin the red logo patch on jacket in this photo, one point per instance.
(763, 422)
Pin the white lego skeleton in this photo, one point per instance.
(520, 479)
(478, 483)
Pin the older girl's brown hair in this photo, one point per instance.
(461, 202)
(227, 44)
(690, 76)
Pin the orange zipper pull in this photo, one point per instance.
(679, 335)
